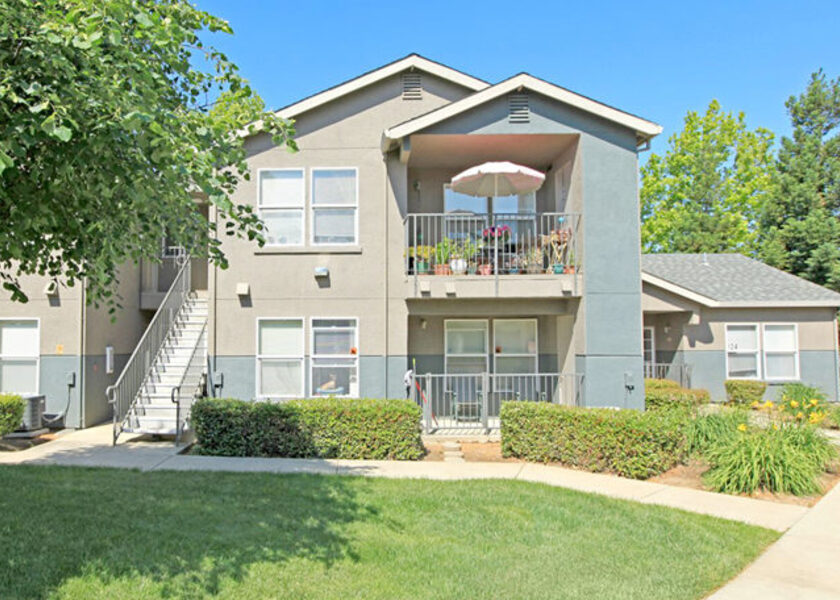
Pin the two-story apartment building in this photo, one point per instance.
(376, 265)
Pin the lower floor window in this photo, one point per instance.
(19, 356)
(335, 358)
(768, 352)
(280, 358)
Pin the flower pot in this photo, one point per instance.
(534, 270)
(569, 270)
(443, 270)
(422, 267)
(485, 269)
(458, 266)
(558, 269)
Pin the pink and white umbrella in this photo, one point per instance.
(497, 179)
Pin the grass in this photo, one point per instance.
(99, 533)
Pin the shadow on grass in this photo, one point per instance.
(187, 532)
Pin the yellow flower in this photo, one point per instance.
(815, 417)
(768, 404)
(799, 415)
(794, 404)
(776, 426)
(814, 401)
(742, 427)
(754, 404)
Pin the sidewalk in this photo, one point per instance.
(92, 448)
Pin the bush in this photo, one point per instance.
(660, 384)
(832, 417)
(627, 442)
(321, 427)
(657, 398)
(787, 459)
(713, 429)
(11, 412)
(744, 391)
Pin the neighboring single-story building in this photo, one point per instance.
(712, 317)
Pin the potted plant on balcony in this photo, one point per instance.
(569, 269)
(443, 252)
(457, 261)
(420, 256)
(496, 234)
(485, 268)
(468, 251)
(534, 260)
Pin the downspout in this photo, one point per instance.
(82, 348)
(213, 313)
(387, 274)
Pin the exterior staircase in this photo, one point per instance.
(177, 373)
(167, 370)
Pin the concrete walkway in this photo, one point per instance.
(92, 448)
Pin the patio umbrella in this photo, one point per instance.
(497, 179)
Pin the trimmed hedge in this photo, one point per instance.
(11, 412)
(744, 391)
(627, 442)
(664, 393)
(316, 428)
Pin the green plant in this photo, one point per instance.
(744, 391)
(11, 412)
(444, 250)
(705, 431)
(320, 427)
(832, 417)
(627, 442)
(780, 459)
(421, 253)
(659, 395)
(803, 403)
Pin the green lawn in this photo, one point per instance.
(100, 533)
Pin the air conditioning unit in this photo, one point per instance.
(33, 413)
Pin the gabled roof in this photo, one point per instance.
(412, 61)
(644, 129)
(732, 280)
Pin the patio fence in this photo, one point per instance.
(679, 372)
(473, 402)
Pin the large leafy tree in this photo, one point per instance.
(800, 226)
(105, 140)
(704, 194)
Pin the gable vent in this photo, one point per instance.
(412, 88)
(518, 109)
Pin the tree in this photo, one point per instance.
(705, 193)
(105, 141)
(800, 226)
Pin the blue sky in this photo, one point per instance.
(654, 59)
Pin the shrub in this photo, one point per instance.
(659, 394)
(713, 429)
(321, 427)
(786, 459)
(627, 442)
(11, 412)
(744, 391)
(832, 417)
(803, 403)
(660, 384)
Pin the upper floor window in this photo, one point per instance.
(280, 205)
(334, 206)
(19, 356)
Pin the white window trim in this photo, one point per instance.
(764, 352)
(446, 354)
(313, 208)
(757, 351)
(313, 356)
(302, 209)
(652, 331)
(289, 357)
(535, 355)
(36, 358)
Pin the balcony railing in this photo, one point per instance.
(497, 244)
(453, 402)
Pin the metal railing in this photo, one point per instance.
(473, 401)
(191, 382)
(679, 372)
(123, 393)
(492, 244)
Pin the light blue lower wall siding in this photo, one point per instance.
(605, 384)
(54, 370)
(239, 374)
(816, 367)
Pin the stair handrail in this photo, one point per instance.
(123, 393)
(176, 391)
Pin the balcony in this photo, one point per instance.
(492, 255)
